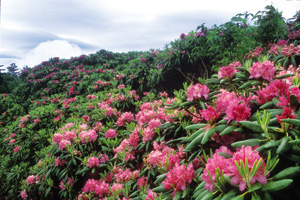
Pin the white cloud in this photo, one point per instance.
(49, 49)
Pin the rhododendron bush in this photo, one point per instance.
(96, 128)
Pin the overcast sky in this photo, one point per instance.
(34, 30)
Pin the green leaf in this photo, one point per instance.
(195, 126)
(269, 104)
(249, 142)
(284, 76)
(247, 84)
(289, 172)
(228, 130)
(208, 134)
(229, 195)
(254, 187)
(159, 189)
(295, 122)
(276, 185)
(252, 126)
(284, 146)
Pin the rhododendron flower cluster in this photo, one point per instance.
(276, 88)
(162, 154)
(24, 194)
(125, 117)
(69, 183)
(238, 111)
(88, 136)
(32, 179)
(111, 133)
(286, 114)
(210, 114)
(179, 177)
(228, 71)
(197, 91)
(228, 167)
(265, 70)
(93, 162)
(99, 187)
(108, 111)
(124, 175)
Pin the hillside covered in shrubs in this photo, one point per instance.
(214, 115)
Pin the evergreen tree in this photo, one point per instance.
(13, 70)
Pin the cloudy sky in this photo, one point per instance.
(34, 30)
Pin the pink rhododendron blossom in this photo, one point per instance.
(111, 133)
(104, 158)
(86, 118)
(178, 177)
(88, 136)
(63, 143)
(69, 183)
(17, 149)
(274, 89)
(265, 70)
(12, 141)
(32, 179)
(151, 195)
(197, 91)
(142, 182)
(70, 135)
(24, 195)
(216, 162)
(210, 114)
(117, 188)
(125, 117)
(251, 156)
(59, 162)
(93, 162)
(238, 111)
(286, 114)
(226, 72)
(37, 121)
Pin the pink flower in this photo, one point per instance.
(37, 121)
(104, 158)
(251, 156)
(265, 70)
(86, 118)
(93, 162)
(212, 164)
(63, 143)
(178, 177)
(197, 91)
(17, 149)
(32, 179)
(88, 136)
(226, 72)
(223, 101)
(125, 117)
(57, 138)
(58, 162)
(69, 183)
(142, 182)
(24, 195)
(12, 141)
(286, 114)
(117, 188)
(70, 135)
(111, 133)
(210, 115)
(238, 111)
(148, 134)
(151, 195)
